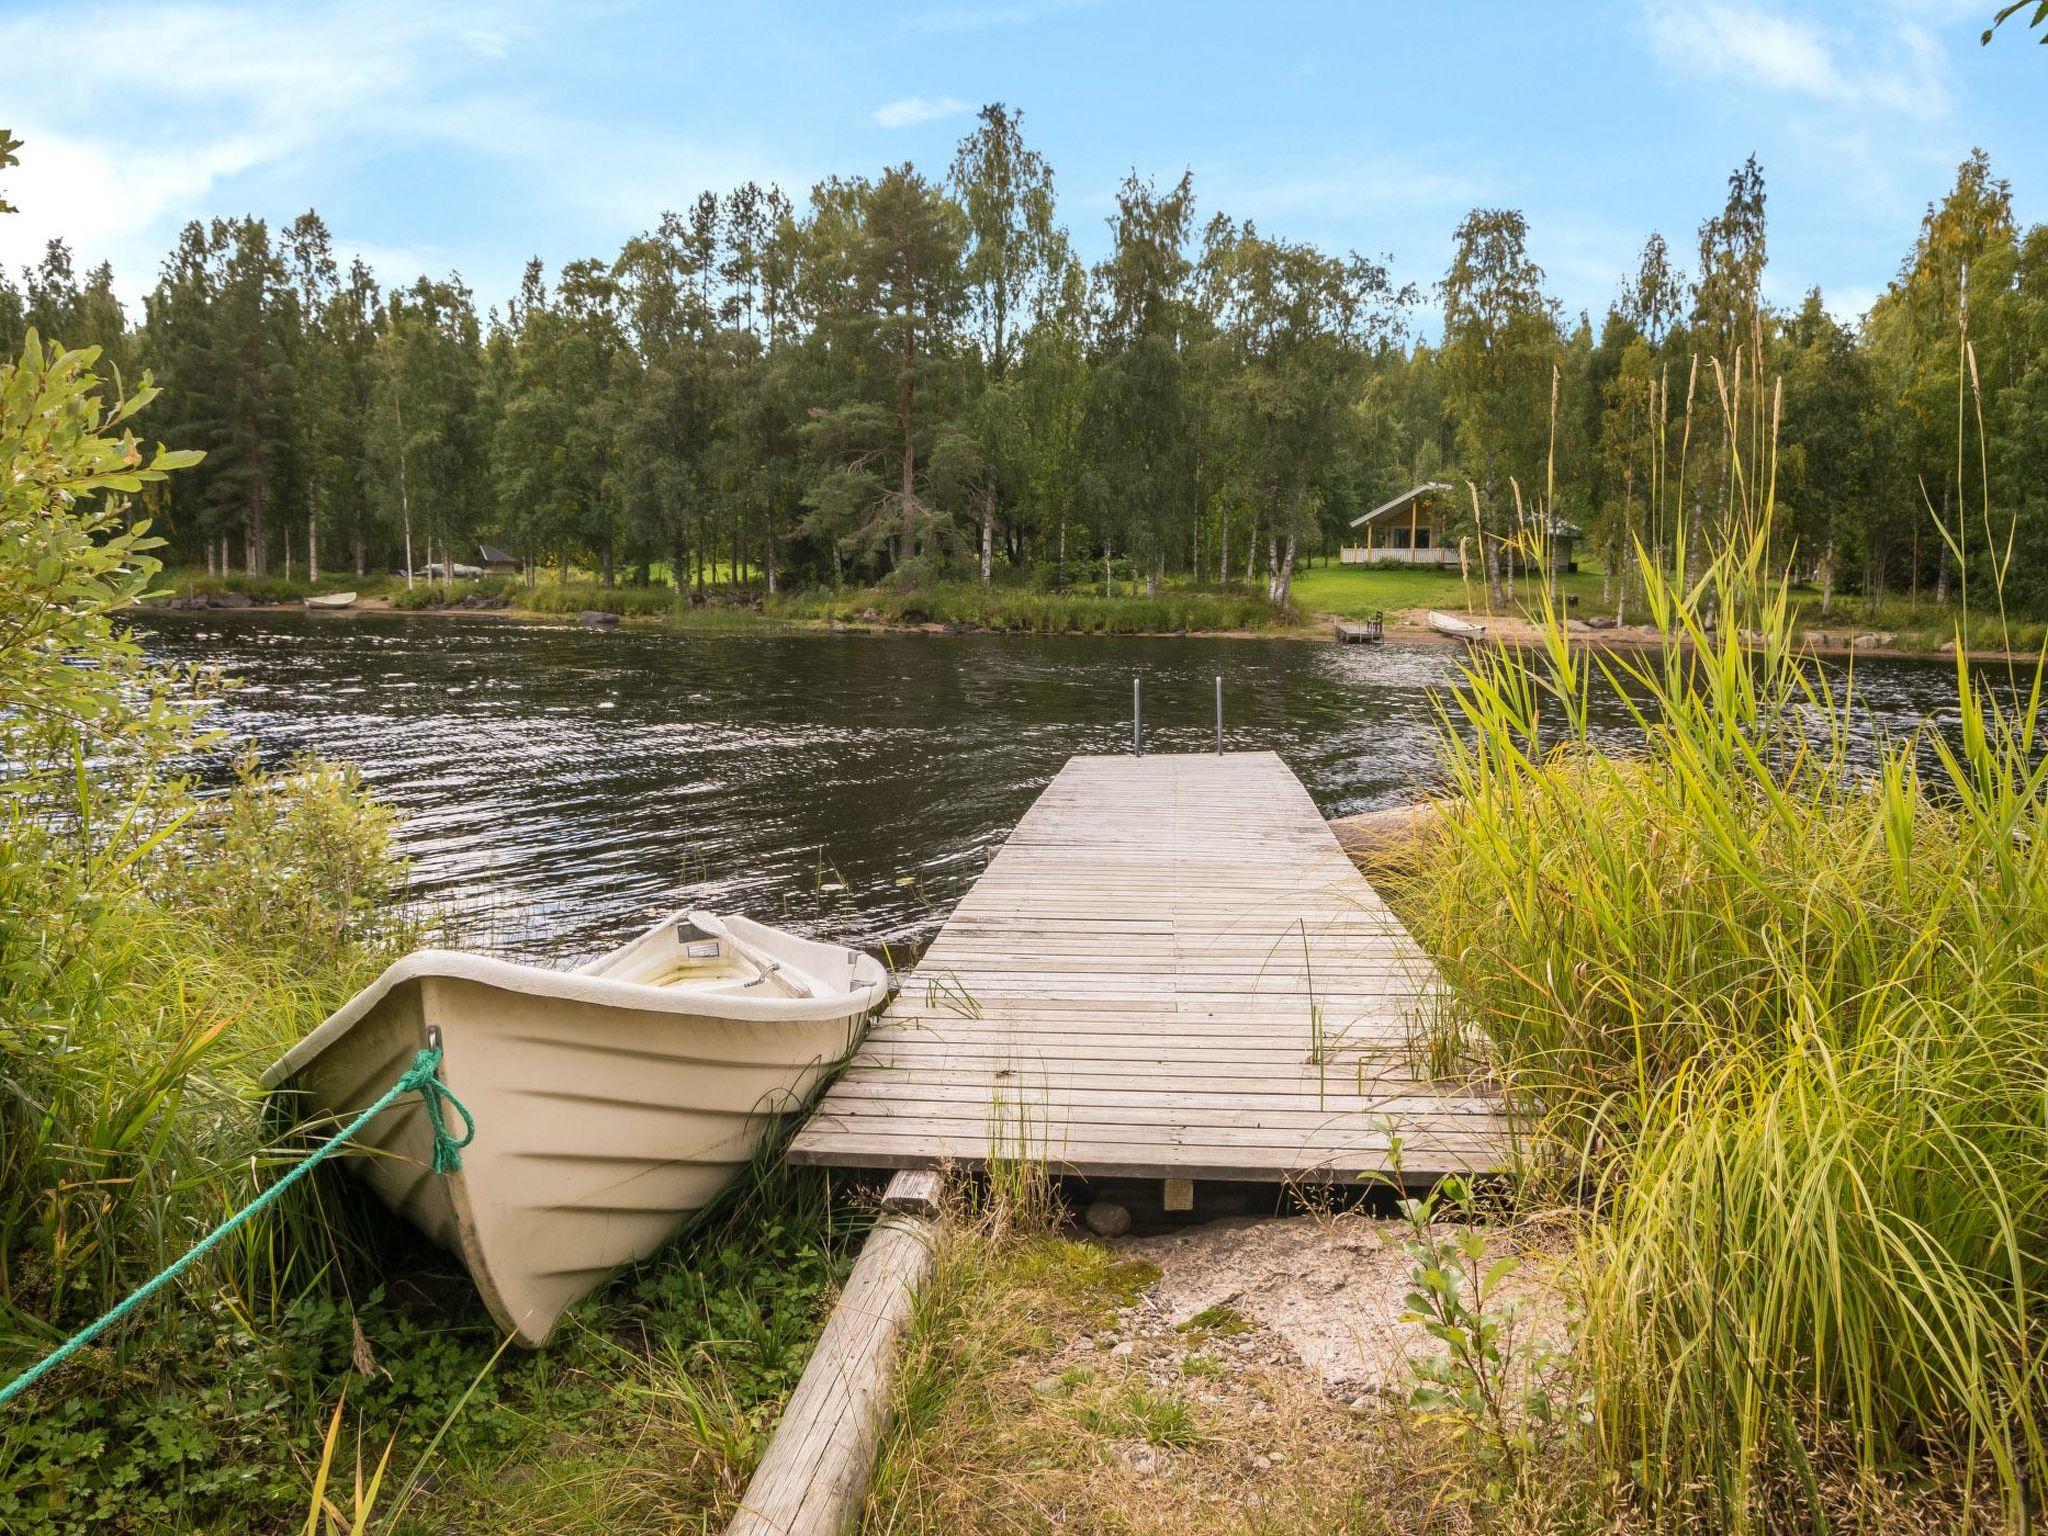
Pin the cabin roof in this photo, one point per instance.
(1400, 501)
(492, 555)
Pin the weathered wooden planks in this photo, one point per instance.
(1170, 970)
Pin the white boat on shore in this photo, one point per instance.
(331, 600)
(610, 1102)
(1457, 628)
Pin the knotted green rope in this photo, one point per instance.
(424, 1075)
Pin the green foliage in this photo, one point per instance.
(902, 379)
(1176, 610)
(70, 679)
(1496, 1387)
(1784, 1016)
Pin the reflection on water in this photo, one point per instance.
(570, 785)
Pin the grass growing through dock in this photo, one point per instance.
(1784, 1010)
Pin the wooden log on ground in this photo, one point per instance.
(815, 1473)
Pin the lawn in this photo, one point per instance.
(1357, 591)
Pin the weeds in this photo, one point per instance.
(1784, 1015)
(1492, 1383)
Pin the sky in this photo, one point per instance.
(465, 138)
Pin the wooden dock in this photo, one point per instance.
(1171, 970)
(1360, 631)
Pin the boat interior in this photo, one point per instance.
(680, 954)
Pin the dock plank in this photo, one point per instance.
(1169, 970)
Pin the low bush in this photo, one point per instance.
(1023, 610)
(631, 602)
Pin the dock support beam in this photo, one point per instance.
(815, 1473)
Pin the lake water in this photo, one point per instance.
(564, 787)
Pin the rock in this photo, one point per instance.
(1361, 1404)
(1106, 1218)
(1818, 637)
(1577, 627)
(1047, 1386)
(1873, 640)
(1382, 831)
(1123, 1351)
(1946, 648)
(593, 618)
(228, 600)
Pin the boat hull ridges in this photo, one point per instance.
(607, 1112)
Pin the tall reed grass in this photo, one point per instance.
(1782, 1014)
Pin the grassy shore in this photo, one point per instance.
(1321, 592)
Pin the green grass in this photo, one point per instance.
(1178, 609)
(1784, 1014)
(1924, 625)
(1219, 1321)
(1359, 591)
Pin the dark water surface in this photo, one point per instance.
(565, 786)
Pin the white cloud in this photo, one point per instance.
(913, 110)
(207, 94)
(224, 108)
(1890, 61)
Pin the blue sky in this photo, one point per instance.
(441, 137)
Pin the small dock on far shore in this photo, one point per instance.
(1170, 971)
(1360, 631)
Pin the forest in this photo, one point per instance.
(909, 378)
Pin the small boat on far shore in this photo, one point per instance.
(331, 600)
(610, 1102)
(1457, 628)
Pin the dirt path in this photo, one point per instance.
(1327, 1292)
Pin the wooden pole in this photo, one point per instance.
(815, 1473)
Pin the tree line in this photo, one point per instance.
(913, 377)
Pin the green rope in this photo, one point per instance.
(423, 1075)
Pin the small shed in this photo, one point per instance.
(1411, 530)
(497, 561)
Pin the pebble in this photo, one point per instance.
(1122, 1350)
(1047, 1386)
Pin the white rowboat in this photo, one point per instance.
(331, 600)
(1457, 628)
(610, 1101)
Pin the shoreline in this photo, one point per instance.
(1405, 626)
